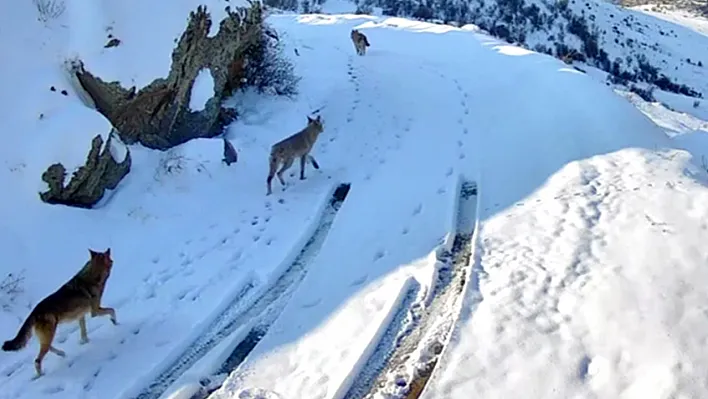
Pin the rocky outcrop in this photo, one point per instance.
(89, 183)
(158, 115)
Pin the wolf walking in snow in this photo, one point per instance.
(360, 41)
(72, 301)
(299, 145)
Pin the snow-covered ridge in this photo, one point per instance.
(626, 43)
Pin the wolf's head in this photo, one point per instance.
(316, 125)
(101, 260)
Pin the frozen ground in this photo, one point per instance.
(492, 212)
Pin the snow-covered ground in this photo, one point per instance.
(697, 23)
(562, 228)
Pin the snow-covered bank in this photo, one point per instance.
(591, 287)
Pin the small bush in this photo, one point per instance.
(646, 71)
(364, 9)
(305, 6)
(267, 69)
(535, 16)
(423, 12)
(289, 5)
(10, 288)
(540, 48)
(646, 94)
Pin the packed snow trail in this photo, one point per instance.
(517, 118)
(359, 281)
(408, 352)
(258, 313)
(249, 307)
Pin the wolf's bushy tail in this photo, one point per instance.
(22, 337)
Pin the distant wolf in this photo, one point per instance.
(360, 41)
(299, 145)
(80, 295)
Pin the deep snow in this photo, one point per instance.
(587, 265)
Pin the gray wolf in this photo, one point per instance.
(297, 145)
(72, 301)
(360, 41)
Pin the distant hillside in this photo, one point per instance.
(630, 46)
(694, 6)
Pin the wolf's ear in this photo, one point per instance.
(319, 119)
(93, 253)
(309, 120)
(108, 252)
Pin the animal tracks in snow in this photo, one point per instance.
(249, 307)
(407, 353)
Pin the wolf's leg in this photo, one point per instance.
(82, 327)
(303, 161)
(286, 165)
(97, 310)
(57, 352)
(273, 166)
(45, 333)
(314, 162)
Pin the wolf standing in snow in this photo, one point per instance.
(360, 41)
(78, 296)
(299, 145)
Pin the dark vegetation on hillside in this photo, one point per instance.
(698, 7)
(515, 20)
(565, 22)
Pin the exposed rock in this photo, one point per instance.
(88, 184)
(230, 154)
(114, 42)
(158, 115)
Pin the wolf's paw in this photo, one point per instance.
(83, 341)
(38, 373)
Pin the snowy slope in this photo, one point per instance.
(622, 41)
(300, 295)
(556, 162)
(681, 17)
